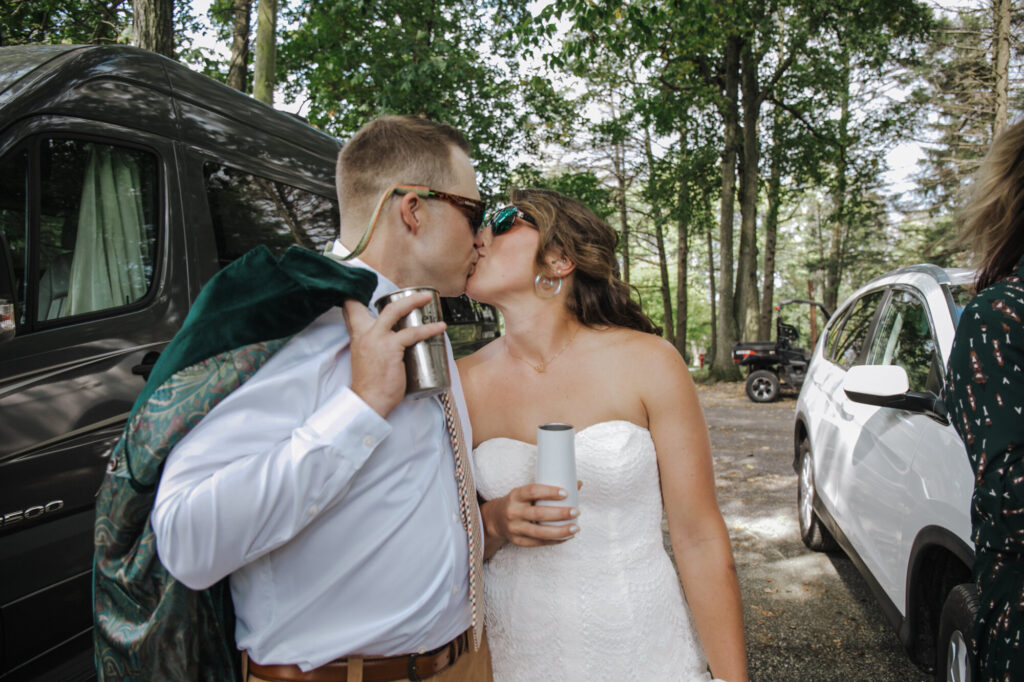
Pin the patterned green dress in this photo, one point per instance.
(985, 399)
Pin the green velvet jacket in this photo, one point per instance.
(148, 626)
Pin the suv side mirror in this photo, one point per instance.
(888, 386)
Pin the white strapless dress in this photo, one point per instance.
(605, 605)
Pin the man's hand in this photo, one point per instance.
(378, 367)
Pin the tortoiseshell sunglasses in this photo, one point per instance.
(473, 208)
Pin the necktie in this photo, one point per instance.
(468, 512)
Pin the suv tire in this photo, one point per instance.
(763, 386)
(956, 634)
(813, 534)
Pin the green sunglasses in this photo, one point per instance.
(502, 220)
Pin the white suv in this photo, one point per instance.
(881, 471)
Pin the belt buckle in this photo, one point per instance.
(411, 671)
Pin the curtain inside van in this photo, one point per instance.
(108, 266)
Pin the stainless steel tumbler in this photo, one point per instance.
(426, 362)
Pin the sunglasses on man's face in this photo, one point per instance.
(502, 220)
(473, 209)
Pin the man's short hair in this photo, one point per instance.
(395, 150)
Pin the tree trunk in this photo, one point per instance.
(154, 25)
(238, 70)
(746, 266)
(666, 286)
(619, 166)
(265, 73)
(682, 269)
(709, 227)
(659, 238)
(771, 229)
(834, 264)
(1001, 59)
(814, 314)
(722, 366)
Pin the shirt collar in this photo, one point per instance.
(384, 285)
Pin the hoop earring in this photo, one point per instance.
(546, 287)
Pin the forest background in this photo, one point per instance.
(739, 147)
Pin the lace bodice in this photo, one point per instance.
(606, 604)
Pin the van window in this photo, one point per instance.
(248, 210)
(14, 226)
(95, 245)
(846, 337)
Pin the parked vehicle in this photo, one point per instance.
(126, 182)
(773, 363)
(881, 472)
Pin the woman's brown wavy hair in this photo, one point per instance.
(598, 297)
(992, 222)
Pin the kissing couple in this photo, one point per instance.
(366, 536)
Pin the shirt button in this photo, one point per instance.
(313, 510)
(422, 650)
(455, 590)
(368, 441)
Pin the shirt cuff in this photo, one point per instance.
(349, 424)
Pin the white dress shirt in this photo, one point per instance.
(340, 529)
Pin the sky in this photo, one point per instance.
(904, 157)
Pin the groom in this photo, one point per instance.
(330, 501)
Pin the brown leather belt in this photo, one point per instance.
(404, 667)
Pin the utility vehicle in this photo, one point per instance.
(773, 363)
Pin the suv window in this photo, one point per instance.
(846, 337)
(92, 244)
(960, 295)
(249, 210)
(905, 339)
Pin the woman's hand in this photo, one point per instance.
(515, 518)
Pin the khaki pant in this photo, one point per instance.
(472, 666)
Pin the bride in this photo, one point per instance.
(596, 598)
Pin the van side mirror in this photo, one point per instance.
(888, 386)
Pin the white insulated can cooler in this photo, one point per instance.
(556, 464)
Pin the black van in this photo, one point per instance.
(126, 182)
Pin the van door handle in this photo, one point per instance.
(146, 366)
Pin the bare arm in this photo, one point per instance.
(700, 540)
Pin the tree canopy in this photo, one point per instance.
(740, 148)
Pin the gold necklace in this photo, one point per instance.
(543, 366)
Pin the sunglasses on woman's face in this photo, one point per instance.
(473, 209)
(502, 220)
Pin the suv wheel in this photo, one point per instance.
(956, 625)
(812, 532)
(763, 386)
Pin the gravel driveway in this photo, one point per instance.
(809, 616)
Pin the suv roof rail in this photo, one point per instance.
(940, 274)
